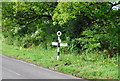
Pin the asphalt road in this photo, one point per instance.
(17, 69)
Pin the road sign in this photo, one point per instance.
(58, 44)
(61, 44)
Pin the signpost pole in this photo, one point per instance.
(59, 41)
(58, 50)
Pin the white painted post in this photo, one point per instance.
(58, 44)
(59, 41)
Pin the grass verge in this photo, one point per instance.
(89, 66)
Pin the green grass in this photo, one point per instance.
(91, 66)
(0, 40)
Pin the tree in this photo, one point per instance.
(22, 19)
(90, 24)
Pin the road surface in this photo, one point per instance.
(17, 69)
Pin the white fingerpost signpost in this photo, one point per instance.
(58, 44)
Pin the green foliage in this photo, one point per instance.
(89, 25)
(26, 20)
(85, 26)
(90, 41)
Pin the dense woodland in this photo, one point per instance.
(85, 26)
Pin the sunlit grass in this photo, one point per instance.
(0, 40)
(91, 67)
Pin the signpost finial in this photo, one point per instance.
(59, 33)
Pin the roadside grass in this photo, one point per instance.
(89, 66)
(0, 40)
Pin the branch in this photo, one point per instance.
(114, 4)
(38, 17)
